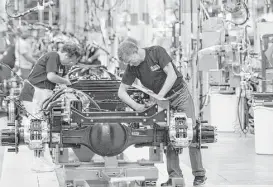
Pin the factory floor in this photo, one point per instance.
(231, 161)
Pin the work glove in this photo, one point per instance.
(139, 107)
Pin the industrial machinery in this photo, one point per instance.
(10, 90)
(90, 119)
(2, 96)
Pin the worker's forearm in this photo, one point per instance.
(127, 99)
(57, 79)
(168, 84)
(95, 56)
(30, 58)
(16, 68)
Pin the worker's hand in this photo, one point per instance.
(139, 107)
(149, 103)
(84, 59)
(84, 69)
(89, 60)
(67, 82)
(66, 76)
(160, 96)
(62, 86)
(15, 69)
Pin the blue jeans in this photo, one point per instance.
(25, 73)
(182, 100)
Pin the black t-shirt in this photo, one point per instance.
(50, 62)
(9, 56)
(150, 72)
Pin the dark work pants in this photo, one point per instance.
(25, 73)
(182, 100)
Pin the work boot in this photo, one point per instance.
(199, 180)
(169, 183)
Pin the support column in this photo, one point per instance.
(255, 34)
(189, 42)
(3, 26)
(50, 15)
(196, 46)
(70, 15)
(112, 27)
(134, 12)
(40, 13)
(135, 19)
(147, 29)
(63, 17)
(144, 11)
(80, 17)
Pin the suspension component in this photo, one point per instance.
(204, 134)
(12, 137)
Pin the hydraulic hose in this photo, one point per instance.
(52, 98)
(93, 102)
(243, 129)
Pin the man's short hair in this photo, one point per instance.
(126, 49)
(130, 39)
(71, 49)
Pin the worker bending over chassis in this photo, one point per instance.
(46, 74)
(155, 70)
(43, 79)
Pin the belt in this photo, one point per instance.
(26, 80)
(174, 90)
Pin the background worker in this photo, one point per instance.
(23, 53)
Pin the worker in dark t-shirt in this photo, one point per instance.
(9, 56)
(9, 60)
(39, 86)
(46, 74)
(155, 70)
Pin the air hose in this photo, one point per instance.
(52, 98)
(243, 129)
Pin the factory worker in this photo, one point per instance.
(23, 53)
(155, 70)
(46, 73)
